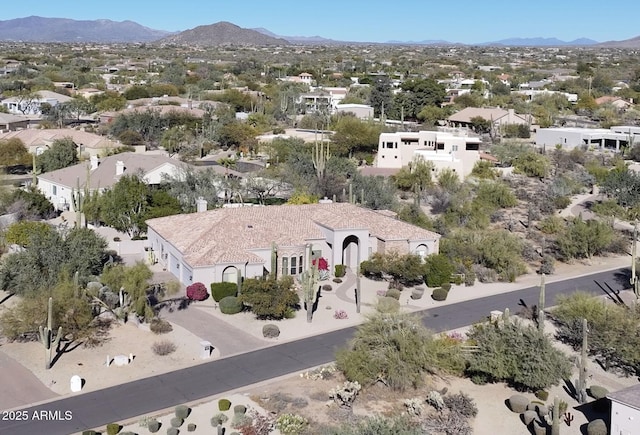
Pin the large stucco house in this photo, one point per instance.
(216, 245)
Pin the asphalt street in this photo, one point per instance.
(117, 404)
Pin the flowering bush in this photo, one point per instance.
(322, 262)
(291, 424)
(197, 292)
(340, 314)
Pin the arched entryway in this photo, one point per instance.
(230, 274)
(350, 247)
(422, 251)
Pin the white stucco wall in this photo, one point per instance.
(625, 420)
(58, 195)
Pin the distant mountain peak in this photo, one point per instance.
(223, 33)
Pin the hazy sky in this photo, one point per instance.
(465, 21)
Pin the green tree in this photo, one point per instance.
(396, 350)
(34, 203)
(134, 280)
(484, 169)
(63, 153)
(531, 164)
(188, 185)
(623, 185)
(13, 152)
(20, 233)
(495, 194)
(517, 354)
(270, 299)
(355, 136)
(584, 239)
(437, 270)
(125, 205)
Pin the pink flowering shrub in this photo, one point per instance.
(197, 292)
(323, 264)
(340, 314)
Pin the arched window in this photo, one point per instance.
(230, 274)
(422, 251)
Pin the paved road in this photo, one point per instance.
(147, 395)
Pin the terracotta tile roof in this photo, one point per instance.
(229, 234)
(33, 137)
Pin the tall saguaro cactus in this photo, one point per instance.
(555, 422)
(541, 302)
(47, 338)
(309, 280)
(320, 157)
(634, 281)
(77, 197)
(581, 388)
(274, 260)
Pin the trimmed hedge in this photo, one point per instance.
(340, 270)
(439, 294)
(393, 293)
(270, 331)
(597, 427)
(224, 404)
(176, 422)
(239, 409)
(597, 392)
(182, 411)
(113, 428)
(153, 426)
(388, 305)
(220, 290)
(230, 305)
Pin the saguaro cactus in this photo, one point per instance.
(320, 157)
(581, 388)
(77, 198)
(239, 282)
(309, 280)
(634, 281)
(555, 422)
(274, 260)
(541, 304)
(46, 336)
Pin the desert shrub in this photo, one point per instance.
(395, 349)
(224, 404)
(551, 224)
(269, 298)
(387, 305)
(340, 270)
(197, 292)
(173, 431)
(547, 266)
(270, 331)
(220, 418)
(446, 286)
(597, 392)
(176, 422)
(220, 290)
(373, 268)
(393, 293)
(291, 424)
(597, 427)
(240, 420)
(518, 403)
(439, 294)
(182, 411)
(163, 347)
(417, 293)
(608, 330)
(230, 305)
(438, 270)
(461, 403)
(160, 326)
(113, 428)
(239, 409)
(517, 354)
(542, 395)
(485, 274)
(89, 432)
(327, 287)
(153, 426)
(382, 425)
(191, 427)
(583, 239)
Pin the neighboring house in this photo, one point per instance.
(323, 100)
(217, 245)
(100, 174)
(445, 149)
(304, 78)
(31, 105)
(499, 117)
(574, 137)
(9, 122)
(532, 94)
(617, 102)
(362, 111)
(39, 140)
(625, 411)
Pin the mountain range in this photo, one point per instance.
(40, 29)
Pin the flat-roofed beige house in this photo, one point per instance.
(498, 117)
(216, 245)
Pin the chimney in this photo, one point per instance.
(201, 205)
(119, 167)
(94, 162)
